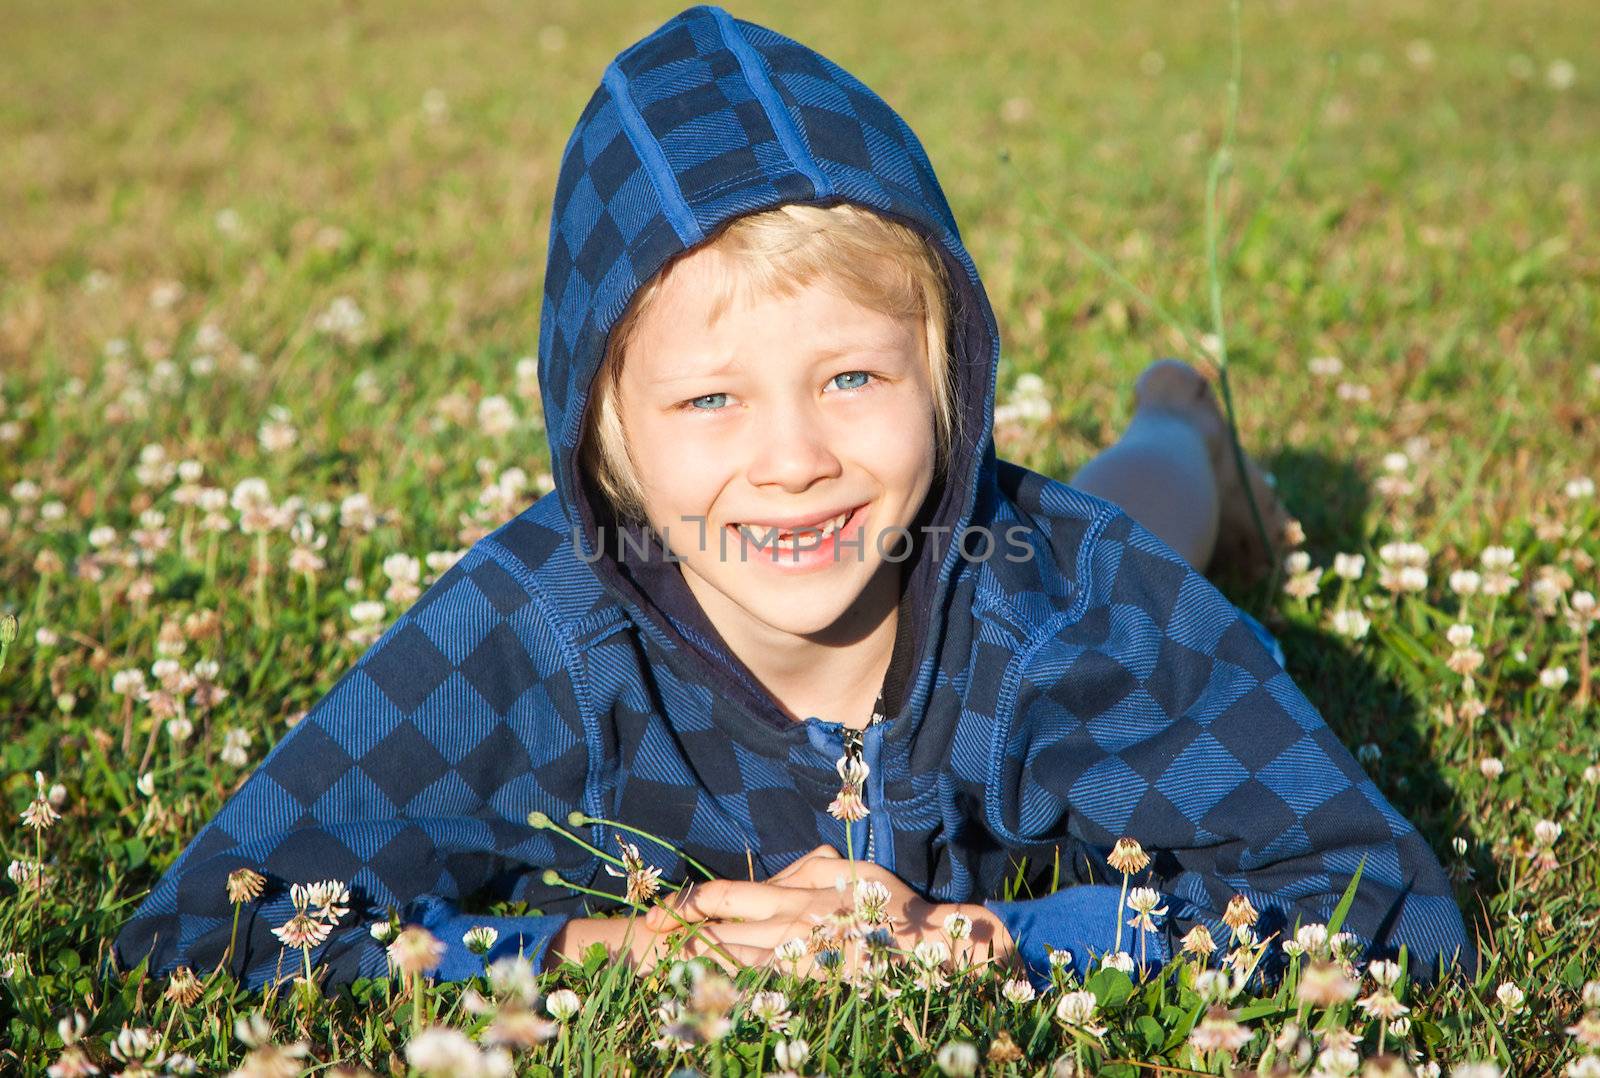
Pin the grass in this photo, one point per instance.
(1410, 189)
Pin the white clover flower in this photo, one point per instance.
(1350, 623)
(445, 1053)
(526, 373)
(1459, 635)
(853, 770)
(563, 1004)
(771, 1009)
(1215, 985)
(342, 318)
(871, 901)
(1546, 591)
(1349, 566)
(1510, 996)
(1553, 677)
(138, 1044)
(1546, 832)
(479, 939)
(1560, 75)
(1312, 937)
(1581, 612)
(496, 416)
(1491, 768)
(931, 954)
(277, 433)
(512, 977)
(1019, 990)
(959, 1059)
(1465, 582)
(357, 513)
(1120, 960)
(791, 950)
(1146, 905)
(958, 926)
(1296, 561)
(791, 1054)
(128, 683)
(416, 950)
(402, 568)
(1325, 366)
(1383, 1005)
(367, 612)
(249, 494)
(1344, 944)
(234, 744)
(1076, 1008)
(1384, 972)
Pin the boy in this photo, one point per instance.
(785, 603)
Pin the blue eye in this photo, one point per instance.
(696, 402)
(863, 375)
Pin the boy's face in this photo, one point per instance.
(792, 411)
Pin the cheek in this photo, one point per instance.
(898, 441)
(680, 474)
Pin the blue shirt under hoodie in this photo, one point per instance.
(1039, 706)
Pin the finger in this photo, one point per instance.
(769, 934)
(709, 940)
(825, 873)
(724, 899)
(821, 853)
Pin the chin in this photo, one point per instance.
(802, 613)
(796, 623)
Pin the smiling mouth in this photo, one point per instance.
(789, 538)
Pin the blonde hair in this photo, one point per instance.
(881, 264)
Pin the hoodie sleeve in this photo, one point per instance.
(411, 781)
(1157, 713)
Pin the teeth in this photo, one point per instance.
(813, 532)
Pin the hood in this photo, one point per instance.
(706, 119)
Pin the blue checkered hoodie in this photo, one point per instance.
(1084, 685)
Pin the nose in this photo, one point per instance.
(792, 450)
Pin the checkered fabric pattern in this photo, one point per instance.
(1097, 688)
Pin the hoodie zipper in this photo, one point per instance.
(853, 742)
(854, 748)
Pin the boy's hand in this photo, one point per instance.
(757, 918)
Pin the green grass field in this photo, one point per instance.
(304, 242)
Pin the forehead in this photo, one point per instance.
(708, 303)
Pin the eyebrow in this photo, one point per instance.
(822, 355)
